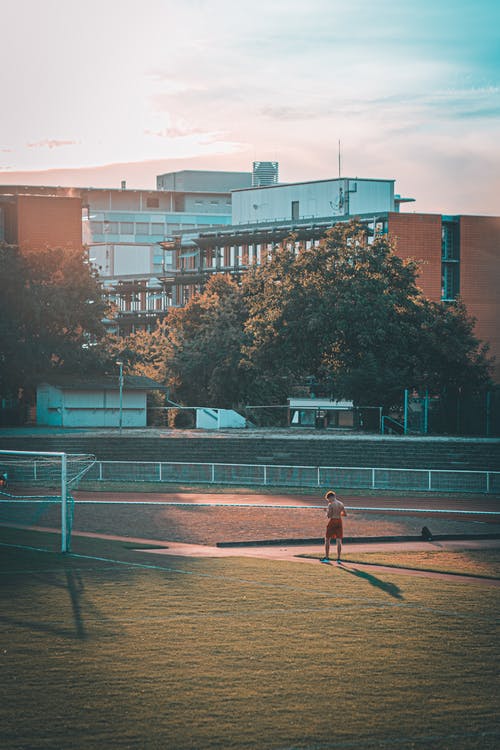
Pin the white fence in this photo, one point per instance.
(347, 477)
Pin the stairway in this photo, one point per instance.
(396, 452)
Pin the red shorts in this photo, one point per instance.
(334, 529)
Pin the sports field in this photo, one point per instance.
(110, 647)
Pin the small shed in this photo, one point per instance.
(94, 401)
(320, 413)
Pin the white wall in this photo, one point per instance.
(98, 408)
(340, 197)
(49, 405)
(215, 419)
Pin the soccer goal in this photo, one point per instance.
(32, 481)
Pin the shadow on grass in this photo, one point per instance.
(389, 588)
(75, 589)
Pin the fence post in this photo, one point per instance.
(488, 412)
(319, 483)
(373, 479)
(429, 483)
(64, 504)
(213, 473)
(265, 475)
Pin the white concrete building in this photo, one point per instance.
(300, 201)
(94, 402)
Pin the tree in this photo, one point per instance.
(203, 346)
(50, 316)
(349, 313)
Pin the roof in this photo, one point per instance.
(104, 382)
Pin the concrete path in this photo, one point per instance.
(293, 553)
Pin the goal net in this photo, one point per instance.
(32, 482)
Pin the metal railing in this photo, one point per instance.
(270, 475)
(391, 425)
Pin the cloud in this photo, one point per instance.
(179, 131)
(51, 143)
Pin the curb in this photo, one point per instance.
(361, 540)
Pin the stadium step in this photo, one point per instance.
(296, 450)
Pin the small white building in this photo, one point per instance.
(320, 413)
(94, 402)
(300, 201)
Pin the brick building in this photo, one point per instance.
(35, 221)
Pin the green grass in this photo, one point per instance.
(112, 648)
(472, 562)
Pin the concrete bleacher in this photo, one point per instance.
(266, 447)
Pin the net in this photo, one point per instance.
(32, 482)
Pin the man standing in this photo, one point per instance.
(334, 529)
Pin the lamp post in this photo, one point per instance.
(120, 381)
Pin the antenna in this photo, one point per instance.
(339, 159)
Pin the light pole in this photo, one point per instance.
(120, 381)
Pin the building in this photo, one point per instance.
(190, 183)
(98, 402)
(155, 248)
(36, 220)
(459, 256)
(129, 234)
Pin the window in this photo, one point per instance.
(126, 227)
(450, 241)
(153, 202)
(295, 210)
(142, 227)
(450, 281)
(157, 228)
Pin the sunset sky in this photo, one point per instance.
(101, 91)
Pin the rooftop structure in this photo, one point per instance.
(203, 181)
(265, 173)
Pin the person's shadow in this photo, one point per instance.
(389, 588)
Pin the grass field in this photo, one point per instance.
(113, 648)
(483, 563)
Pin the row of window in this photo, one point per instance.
(132, 228)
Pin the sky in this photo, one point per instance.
(98, 92)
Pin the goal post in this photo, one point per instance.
(37, 479)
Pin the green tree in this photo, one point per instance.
(50, 316)
(203, 347)
(350, 313)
